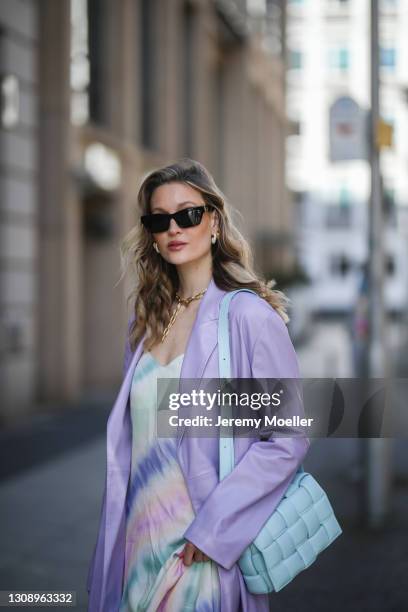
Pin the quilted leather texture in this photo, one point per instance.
(302, 525)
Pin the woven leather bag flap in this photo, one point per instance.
(302, 525)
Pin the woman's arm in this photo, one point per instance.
(238, 507)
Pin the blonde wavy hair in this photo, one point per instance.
(156, 280)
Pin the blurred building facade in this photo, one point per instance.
(96, 93)
(328, 57)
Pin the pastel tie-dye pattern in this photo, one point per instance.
(159, 511)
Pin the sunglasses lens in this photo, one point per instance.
(156, 223)
(189, 217)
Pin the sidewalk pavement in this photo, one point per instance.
(51, 431)
(48, 523)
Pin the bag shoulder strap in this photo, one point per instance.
(223, 333)
(226, 459)
(224, 360)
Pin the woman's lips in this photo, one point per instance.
(177, 246)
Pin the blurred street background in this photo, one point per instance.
(299, 109)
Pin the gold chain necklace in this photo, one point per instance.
(181, 301)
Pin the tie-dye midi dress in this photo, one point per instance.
(158, 512)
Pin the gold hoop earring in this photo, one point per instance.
(156, 248)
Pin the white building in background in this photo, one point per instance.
(328, 57)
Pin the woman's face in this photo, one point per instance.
(196, 241)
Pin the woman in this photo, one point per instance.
(170, 533)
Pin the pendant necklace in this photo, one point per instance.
(181, 301)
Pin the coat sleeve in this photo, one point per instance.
(238, 507)
(126, 362)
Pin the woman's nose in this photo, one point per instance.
(173, 227)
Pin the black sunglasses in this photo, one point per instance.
(188, 217)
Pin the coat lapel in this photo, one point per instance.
(202, 341)
(203, 336)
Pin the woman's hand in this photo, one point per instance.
(192, 553)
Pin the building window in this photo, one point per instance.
(189, 63)
(340, 264)
(388, 57)
(295, 59)
(389, 206)
(344, 197)
(256, 7)
(219, 122)
(80, 66)
(338, 3)
(98, 23)
(296, 127)
(339, 58)
(338, 217)
(149, 74)
(339, 212)
(390, 265)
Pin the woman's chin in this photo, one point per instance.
(178, 257)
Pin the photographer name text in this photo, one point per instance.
(274, 421)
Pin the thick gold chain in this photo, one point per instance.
(184, 302)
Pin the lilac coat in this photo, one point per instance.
(230, 513)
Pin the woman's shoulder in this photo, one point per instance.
(248, 304)
(253, 313)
